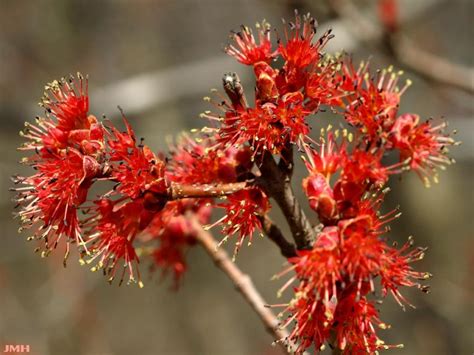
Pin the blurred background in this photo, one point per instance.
(157, 59)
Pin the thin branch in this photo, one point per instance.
(179, 191)
(278, 186)
(407, 52)
(274, 233)
(430, 65)
(286, 163)
(243, 284)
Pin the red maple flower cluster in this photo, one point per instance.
(336, 275)
(140, 215)
(230, 168)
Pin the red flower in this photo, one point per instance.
(266, 83)
(355, 326)
(67, 123)
(323, 84)
(370, 102)
(111, 235)
(247, 50)
(321, 197)
(388, 14)
(396, 271)
(174, 240)
(312, 308)
(364, 166)
(136, 168)
(67, 100)
(242, 210)
(68, 150)
(52, 196)
(298, 50)
(268, 127)
(173, 232)
(335, 276)
(199, 161)
(422, 145)
(331, 155)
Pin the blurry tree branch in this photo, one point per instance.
(432, 66)
(148, 90)
(406, 51)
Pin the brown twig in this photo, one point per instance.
(277, 184)
(179, 191)
(243, 284)
(274, 233)
(286, 163)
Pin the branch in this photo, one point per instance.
(278, 186)
(178, 191)
(274, 233)
(243, 284)
(407, 52)
(430, 65)
(286, 163)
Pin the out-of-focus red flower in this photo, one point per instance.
(174, 240)
(388, 14)
(174, 235)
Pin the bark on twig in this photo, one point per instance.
(286, 163)
(244, 285)
(274, 233)
(278, 186)
(178, 191)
